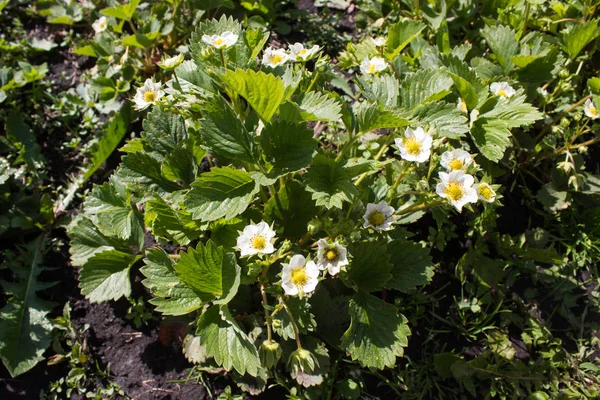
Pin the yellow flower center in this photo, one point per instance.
(299, 277)
(150, 97)
(501, 92)
(376, 218)
(413, 146)
(454, 190)
(371, 68)
(259, 242)
(486, 192)
(463, 106)
(456, 164)
(276, 59)
(593, 110)
(303, 52)
(331, 254)
(219, 42)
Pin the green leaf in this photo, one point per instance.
(124, 12)
(170, 224)
(316, 106)
(594, 85)
(144, 171)
(503, 43)
(578, 36)
(172, 297)
(209, 269)
(371, 117)
(164, 132)
(331, 315)
(23, 138)
(291, 208)
(470, 87)
(490, 131)
(86, 241)
(263, 92)
(287, 146)
(109, 207)
(300, 309)
(383, 89)
(369, 268)
(377, 332)
(224, 134)
(411, 265)
(114, 131)
(424, 86)
(400, 35)
(447, 120)
(226, 342)
(138, 40)
(330, 182)
(105, 276)
(220, 193)
(25, 332)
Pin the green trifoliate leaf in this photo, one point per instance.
(371, 116)
(291, 208)
(411, 265)
(108, 205)
(400, 35)
(287, 146)
(170, 224)
(226, 342)
(224, 134)
(447, 120)
(330, 182)
(383, 89)
(263, 92)
(172, 297)
(490, 131)
(424, 86)
(377, 332)
(300, 309)
(220, 193)
(144, 171)
(369, 268)
(503, 42)
(164, 132)
(316, 106)
(575, 38)
(86, 241)
(25, 332)
(209, 269)
(105, 276)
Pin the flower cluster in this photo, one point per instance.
(300, 276)
(273, 58)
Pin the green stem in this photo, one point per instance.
(312, 83)
(419, 207)
(222, 57)
(397, 183)
(558, 117)
(265, 303)
(293, 321)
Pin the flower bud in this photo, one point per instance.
(302, 360)
(270, 353)
(564, 73)
(314, 226)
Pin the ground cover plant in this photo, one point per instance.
(406, 210)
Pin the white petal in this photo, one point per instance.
(297, 261)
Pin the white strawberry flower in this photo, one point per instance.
(299, 53)
(457, 187)
(331, 256)
(275, 57)
(379, 216)
(100, 24)
(590, 109)
(147, 95)
(462, 106)
(372, 65)
(171, 62)
(222, 41)
(256, 239)
(379, 41)
(415, 145)
(456, 159)
(502, 89)
(485, 192)
(299, 277)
